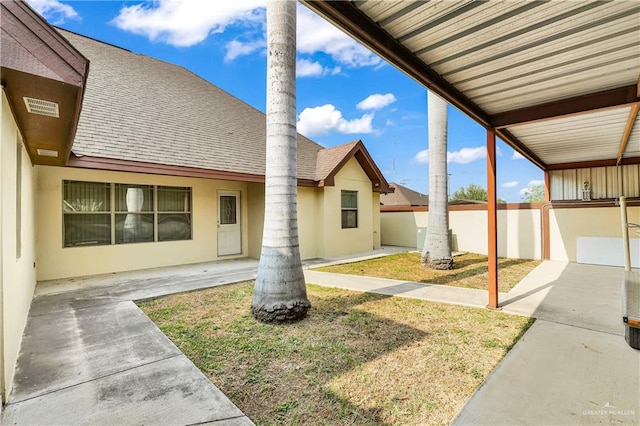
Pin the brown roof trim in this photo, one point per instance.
(378, 181)
(577, 204)
(595, 163)
(614, 98)
(465, 207)
(40, 63)
(116, 165)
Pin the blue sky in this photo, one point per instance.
(344, 92)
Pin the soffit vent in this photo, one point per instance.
(42, 107)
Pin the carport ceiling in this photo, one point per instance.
(558, 80)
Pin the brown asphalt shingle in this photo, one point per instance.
(403, 196)
(328, 159)
(139, 108)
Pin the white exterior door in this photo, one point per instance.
(229, 240)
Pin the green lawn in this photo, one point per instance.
(469, 270)
(357, 358)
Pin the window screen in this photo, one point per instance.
(349, 209)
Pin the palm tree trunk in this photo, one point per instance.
(280, 293)
(437, 246)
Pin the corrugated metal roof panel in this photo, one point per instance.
(574, 139)
(501, 56)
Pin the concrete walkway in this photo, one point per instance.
(572, 366)
(90, 356)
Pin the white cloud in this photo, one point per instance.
(54, 11)
(325, 119)
(188, 22)
(511, 184)
(525, 191)
(422, 157)
(467, 155)
(517, 156)
(390, 123)
(535, 183)
(308, 68)
(376, 101)
(317, 35)
(463, 156)
(237, 48)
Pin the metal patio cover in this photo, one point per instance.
(557, 80)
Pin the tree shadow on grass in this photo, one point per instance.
(468, 273)
(278, 374)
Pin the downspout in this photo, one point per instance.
(625, 233)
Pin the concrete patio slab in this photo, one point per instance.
(89, 355)
(560, 375)
(80, 345)
(586, 296)
(166, 392)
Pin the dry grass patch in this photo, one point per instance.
(469, 270)
(357, 358)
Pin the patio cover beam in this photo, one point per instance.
(492, 218)
(358, 25)
(633, 114)
(346, 16)
(614, 98)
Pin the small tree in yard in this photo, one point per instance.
(473, 192)
(280, 293)
(534, 194)
(436, 252)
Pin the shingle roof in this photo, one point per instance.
(138, 108)
(330, 158)
(403, 196)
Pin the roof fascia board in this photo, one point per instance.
(70, 64)
(614, 98)
(116, 165)
(360, 153)
(594, 163)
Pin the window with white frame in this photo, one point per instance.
(97, 213)
(349, 209)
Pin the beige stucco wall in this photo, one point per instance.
(400, 228)
(377, 230)
(309, 201)
(17, 270)
(309, 212)
(518, 231)
(566, 225)
(469, 229)
(519, 234)
(59, 262)
(255, 204)
(335, 240)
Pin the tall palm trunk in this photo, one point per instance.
(437, 246)
(280, 294)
